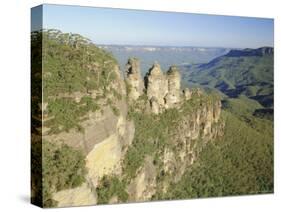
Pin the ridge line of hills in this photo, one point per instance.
(246, 73)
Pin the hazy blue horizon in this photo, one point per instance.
(150, 28)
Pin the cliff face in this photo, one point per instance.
(143, 186)
(105, 137)
(192, 133)
(193, 130)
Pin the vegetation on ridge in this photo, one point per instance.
(73, 68)
(71, 63)
(241, 162)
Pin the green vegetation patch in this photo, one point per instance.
(63, 168)
(72, 63)
(241, 106)
(66, 114)
(251, 76)
(111, 186)
(239, 163)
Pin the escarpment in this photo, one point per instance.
(139, 134)
(103, 136)
(175, 139)
(84, 108)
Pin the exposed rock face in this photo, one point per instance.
(83, 195)
(156, 87)
(155, 106)
(190, 136)
(104, 159)
(144, 185)
(163, 90)
(187, 94)
(133, 79)
(173, 96)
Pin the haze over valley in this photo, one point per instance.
(165, 55)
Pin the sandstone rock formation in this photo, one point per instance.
(173, 95)
(82, 195)
(133, 79)
(156, 88)
(144, 185)
(156, 84)
(162, 90)
(191, 134)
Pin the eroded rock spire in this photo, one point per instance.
(134, 81)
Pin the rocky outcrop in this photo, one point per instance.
(144, 185)
(82, 195)
(162, 90)
(133, 79)
(192, 132)
(156, 85)
(173, 96)
(187, 94)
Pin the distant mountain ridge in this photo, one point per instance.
(251, 52)
(246, 72)
(165, 55)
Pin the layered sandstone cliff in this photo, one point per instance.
(197, 126)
